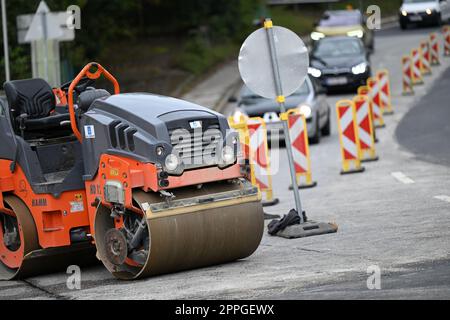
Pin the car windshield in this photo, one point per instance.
(340, 18)
(246, 93)
(337, 48)
(417, 1)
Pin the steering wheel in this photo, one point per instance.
(83, 84)
(92, 71)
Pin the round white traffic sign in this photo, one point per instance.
(255, 62)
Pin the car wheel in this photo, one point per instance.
(326, 131)
(439, 20)
(316, 138)
(403, 25)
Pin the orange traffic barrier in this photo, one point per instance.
(298, 131)
(416, 56)
(434, 50)
(385, 91)
(364, 91)
(446, 34)
(259, 159)
(240, 125)
(426, 58)
(375, 97)
(407, 79)
(365, 128)
(348, 137)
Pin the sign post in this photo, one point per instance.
(273, 63)
(5, 41)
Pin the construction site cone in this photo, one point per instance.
(426, 58)
(348, 137)
(298, 132)
(407, 78)
(365, 129)
(416, 56)
(434, 50)
(385, 92)
(446, 34)
(375, 97)
(260, 160)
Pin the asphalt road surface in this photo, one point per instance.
(395, 217)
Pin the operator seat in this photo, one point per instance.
(32, 104)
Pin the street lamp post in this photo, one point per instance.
(5, 41)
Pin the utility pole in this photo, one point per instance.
(5, 41)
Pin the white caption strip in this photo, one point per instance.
(443, 198)
(400, 176)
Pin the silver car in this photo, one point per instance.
(309, 99)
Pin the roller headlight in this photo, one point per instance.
(172, 163)
(317, 35)
(360, 68)
(159, 151)
(356, 33)
(305, 110)
(316, 73)
(228, 156)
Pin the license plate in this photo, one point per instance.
(337, 81)
(415, 18)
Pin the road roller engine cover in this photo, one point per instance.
(147, 184)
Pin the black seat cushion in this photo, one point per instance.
(35, 98)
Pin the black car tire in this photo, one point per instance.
(326, 131)
(403, 25)
(439, 20)
(316, 139)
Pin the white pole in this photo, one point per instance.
(5, 41)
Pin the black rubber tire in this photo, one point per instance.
(326, 131)
(439, 21)
(403, 26)
(316, 139)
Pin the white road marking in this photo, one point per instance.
(443, 198)
(400, 176)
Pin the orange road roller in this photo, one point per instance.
(145, 183)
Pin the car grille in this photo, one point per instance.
(197, 148)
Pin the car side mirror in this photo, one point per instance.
(232, 99)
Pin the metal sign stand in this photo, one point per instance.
(273, 74)
(268, 25)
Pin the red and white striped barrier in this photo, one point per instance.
(434, 50)
(298, 131)
(348, 137)
(365, 128)
(375, 97)
(240, 125)
(259, 159)
(446, 34)
(365, 91)
(385, 91)
(416, 66)
(407, 79)
(426, 58)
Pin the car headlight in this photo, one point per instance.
(316, 73)
(317, 35)
(429, 11)
(228, 155)
(172, 162)
(356, 33)
(404, 13)
(238, 115)
(305, 110)
(360, 68)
